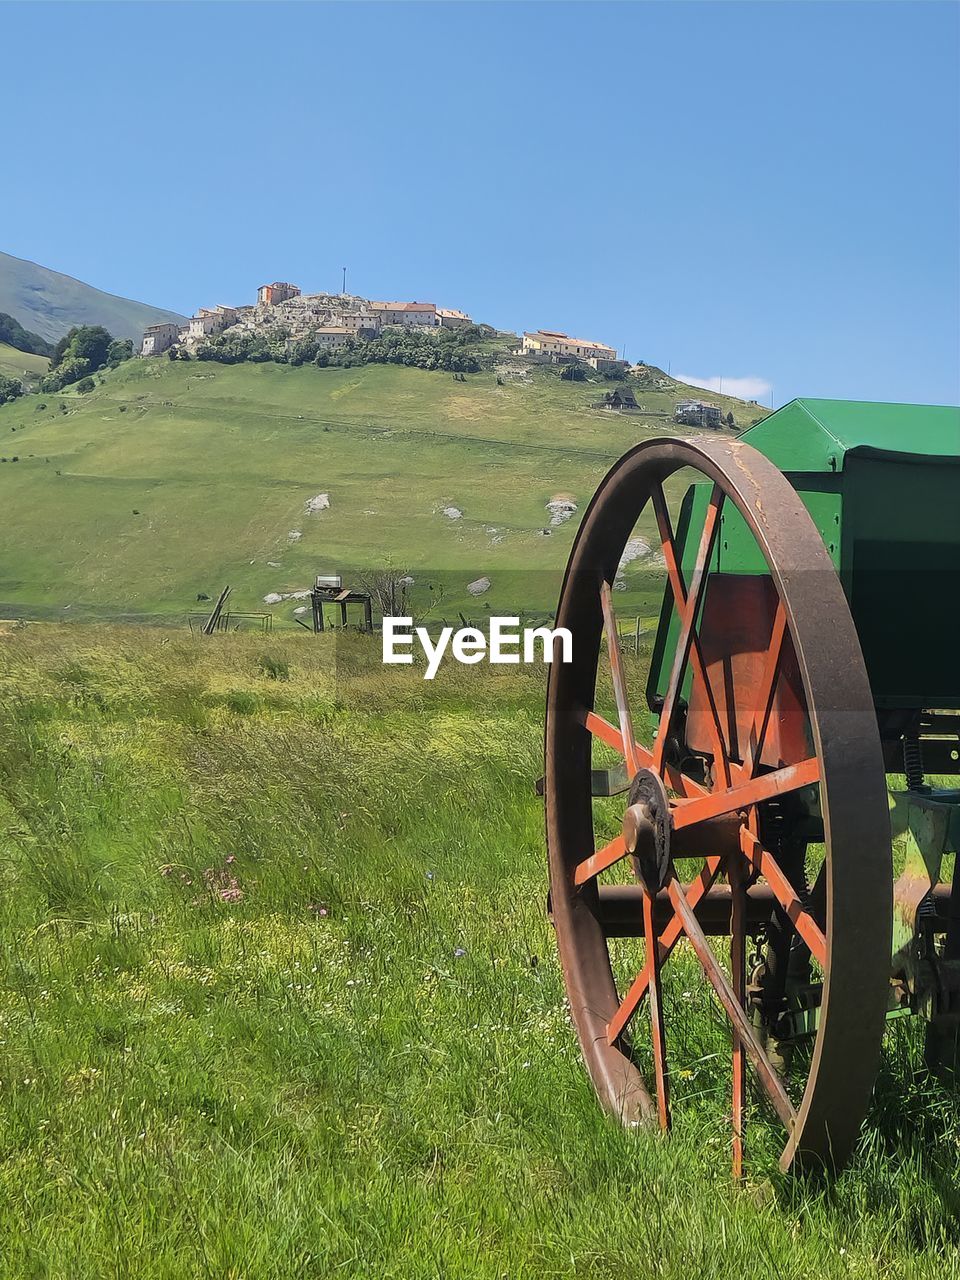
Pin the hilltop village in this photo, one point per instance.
(336, 319)
(331, 319)
(332, 322)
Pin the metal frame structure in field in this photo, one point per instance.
(807, 648)
(329, 590)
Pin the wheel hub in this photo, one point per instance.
(647, 829)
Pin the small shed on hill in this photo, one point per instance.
(620, 398)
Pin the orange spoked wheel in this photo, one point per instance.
(751, 816)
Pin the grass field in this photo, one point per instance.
(22, 364)
(170, 480)
(279, 998)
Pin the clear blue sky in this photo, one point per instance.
(764, 190)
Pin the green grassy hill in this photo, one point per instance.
(21, 364)
(173, 479)
(49, 303)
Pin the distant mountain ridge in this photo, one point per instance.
(49, 303)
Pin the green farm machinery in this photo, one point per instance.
(780, 779)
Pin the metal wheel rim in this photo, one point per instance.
(852, 788)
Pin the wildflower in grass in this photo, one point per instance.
(221, 885)
(231, 892)
(459, 951)
(318, 909)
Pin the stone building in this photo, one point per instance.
(332, 337)
(157, 338)
(365, 323)
(448, 319)
(270, 294)
(210, 321)
(409, 314)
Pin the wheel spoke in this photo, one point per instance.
(619, 684)
(612, 736)
(606, 857)
(768, 684)
(674, 572)
(658, 1036)
(668, 940)
(781, 781)
(801, 919)
(687, 607)
(727, 997)
(738, 964)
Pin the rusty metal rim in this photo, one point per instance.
(852, 788)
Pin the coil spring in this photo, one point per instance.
(913, 762)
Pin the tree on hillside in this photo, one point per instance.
(66, 373)
(82, 351)
(730, 421)
(10, 388)
(59, 351)
(120, 349)
(91, 343)
(452, 351)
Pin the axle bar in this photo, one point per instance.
(620, 909)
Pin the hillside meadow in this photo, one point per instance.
(171, 480)
(25, 366)
(279, 997)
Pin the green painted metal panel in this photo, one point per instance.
(737, 547)
(816, 435)
(882, 484)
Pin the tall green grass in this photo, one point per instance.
(279, 998)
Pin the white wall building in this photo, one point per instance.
(409, 314)
(210, 321)
(554, 345)
(331, 337)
